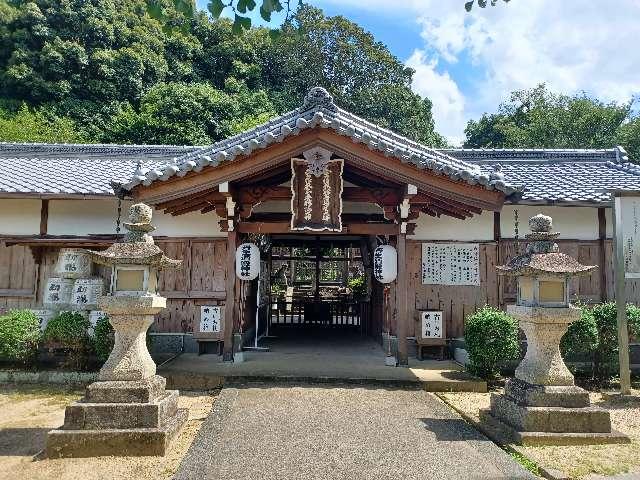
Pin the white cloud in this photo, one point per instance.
(448, 101)
(572, 45)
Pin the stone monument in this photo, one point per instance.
(542, 405)
(127, 411)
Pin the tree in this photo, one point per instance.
(360, 73)
(104, 64)
(539, 118)
(191, 114)
(26, 125)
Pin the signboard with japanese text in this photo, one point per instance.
(450, 264)
(211, 322)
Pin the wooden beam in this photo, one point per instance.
(402, 300)
(602, 239)
(178, 202)
(347, 228)
(497, 235)
(44, 217)
(230, 302)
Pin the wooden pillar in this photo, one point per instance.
(401, 300)
(602, 258)
(44, 217)
(230, 303)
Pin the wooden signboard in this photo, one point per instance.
(432, 331)
(211, 322)
(316, 187)
(450, 264)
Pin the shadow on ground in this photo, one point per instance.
(22, 442)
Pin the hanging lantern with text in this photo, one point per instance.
(248, 261)
(385, 263)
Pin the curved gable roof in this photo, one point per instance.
(319, 110)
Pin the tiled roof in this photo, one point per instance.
(558, 176)
(319, 110)
(549, 176)
(63, 169)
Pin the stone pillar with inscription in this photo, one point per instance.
(127, 411)
(542, 405)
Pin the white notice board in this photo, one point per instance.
(630, 209)
(450, 264)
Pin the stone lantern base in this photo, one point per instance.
(542, 406)
(550, 415)
(119, 418)
(127, 412)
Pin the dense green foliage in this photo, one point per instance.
(595, 336)
(68, 329)
(491, 339)
(540, 118)
(103, 338)
(113, 71)
(19, 335)
(358, 285)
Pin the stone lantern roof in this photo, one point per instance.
(542, 256)
(137, 247)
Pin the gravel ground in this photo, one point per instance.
(339, 432)
(580, 461)
(29, 412)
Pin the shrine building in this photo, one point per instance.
(317, 189)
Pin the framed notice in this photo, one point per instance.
(211, 322)
(630, 211)
(451, 264)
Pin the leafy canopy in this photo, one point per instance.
(539, 118)
(128, 71)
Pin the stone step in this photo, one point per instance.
(524, 393)
(535, 439)
(115, 442)
(141, 391)
(84, 415)
(550, 419)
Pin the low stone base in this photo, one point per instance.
(536, 439)
(137, 442)
(550, 415)
(119, 418)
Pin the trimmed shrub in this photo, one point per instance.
(68, 329)
(491, 338)
(19, 336)
(66, 338)
(103, 338)
(601, 350)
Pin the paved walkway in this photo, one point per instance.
(259, 431)
(331, 357)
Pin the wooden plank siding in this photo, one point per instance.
(203, 279)
(200, 282)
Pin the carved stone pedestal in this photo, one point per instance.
(128, 411)
(542, 406)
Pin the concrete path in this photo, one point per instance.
(276, 432)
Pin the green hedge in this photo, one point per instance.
(491, 338)
(594, 337)
(19, 336)
(102, 339)
(69, 329)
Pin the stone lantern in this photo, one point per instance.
(127, 411)
(542, 405)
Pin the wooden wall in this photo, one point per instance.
(202, 282)
(459, 301)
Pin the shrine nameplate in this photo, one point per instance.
(316, 186)
(211, 322)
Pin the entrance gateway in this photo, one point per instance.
(322, 187)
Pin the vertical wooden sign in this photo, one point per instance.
(316, 186)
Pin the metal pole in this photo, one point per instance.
(255, 343)
(621, 301)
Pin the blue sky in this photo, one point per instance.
(468, 64)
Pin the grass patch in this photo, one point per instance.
(526, 463)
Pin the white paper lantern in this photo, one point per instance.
(247, 261)
(385, 263)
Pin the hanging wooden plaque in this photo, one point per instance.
(316, 186)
